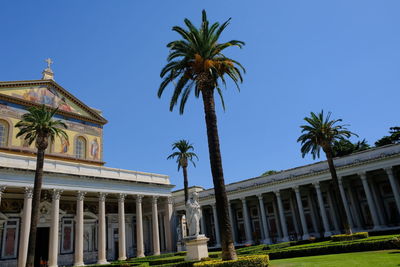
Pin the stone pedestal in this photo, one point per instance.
(196, 247)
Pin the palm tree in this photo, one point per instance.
(182, 156)
(322, 132)
(38, 125)
(197, 64)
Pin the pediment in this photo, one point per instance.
(87, 215)
(51, 94)
(3, 217)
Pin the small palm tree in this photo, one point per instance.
(322, 132)
(183, 155)
(196, 63)
(38, 126)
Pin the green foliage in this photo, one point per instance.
(360, 235)
(38, 124)
(269, 172)
(393, 138)
(183, 154)
(196, 56)
(345, 147)
(245, 261)
(321, 132)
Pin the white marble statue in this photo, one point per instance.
(193, 214)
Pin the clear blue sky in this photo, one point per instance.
(301, 56)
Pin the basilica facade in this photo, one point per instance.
(298, 203)
(89, 213)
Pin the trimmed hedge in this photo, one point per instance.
(393, 243)
(246, 261)
(360, 235)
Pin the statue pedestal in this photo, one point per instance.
(196, 247)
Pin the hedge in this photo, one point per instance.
(246, 261)
(360, 235)
(393, 243)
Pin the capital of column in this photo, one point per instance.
(277, 193)
(296, 189)
(260, 196)
(389, 171)
(340, 180)
(317, 185)
(2, 188)
(80, 195)
(121, 197)
(243, 199)
(28, 192)
(363, 175)
(154, 200)
(102, 196)
(56, 193)
(139, 198)
(170, 200)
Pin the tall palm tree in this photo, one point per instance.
(183, 155)
(196, 63)
(322, 132)
(38, 126)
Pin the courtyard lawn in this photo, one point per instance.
(387, 258)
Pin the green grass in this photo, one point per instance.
(386, 258)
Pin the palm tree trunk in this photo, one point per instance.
(185, 183)
(228, 249)
(37, 188)
(336, 192)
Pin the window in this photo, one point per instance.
(80, 148)
(10, 237)
(67, 235)
(3, 133)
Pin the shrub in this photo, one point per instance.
(246, 261)
(161, 261)
(360, 235)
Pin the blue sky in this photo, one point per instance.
(300, 56)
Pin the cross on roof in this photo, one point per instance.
(49, 62)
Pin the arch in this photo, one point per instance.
(4, 133)
(80, 147)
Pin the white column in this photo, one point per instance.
(156, 238)
(139, 227)
(79, 229)
(301, 213)
(277, 220)
(246, 218)
(121, 228)
(54, 228)
(233, 223)
(322, 209)
(102, 256)
(216, 226)
(312, 213)
(370, 201)
(203, 222)
(354, 208)
(333, 212)
(395, 186)
(2, 189)
(345, 203)
(264, 223)
(294, 215)
(282, 217)
(168, 223)
(25, 227)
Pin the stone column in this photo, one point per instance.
(168, 223)
(216, 226)
(294, 215)
(312, 213)
(321, 205)
(54, 228)
(102, 256)
(121, 228)
(203, 222)
(301, 213)
(139, 227)
(277, 220)
(264, 223)
(79, 229)
(333, 212)
(156, 238)
(2, 189)
(395, 186)
(370, 201)
(282, 216)
(232, 220)
(345, 203)
(25, 227)
(246, 218)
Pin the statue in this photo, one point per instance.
(193, 214)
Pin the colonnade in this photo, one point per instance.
(319, 216)
(79, 227)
